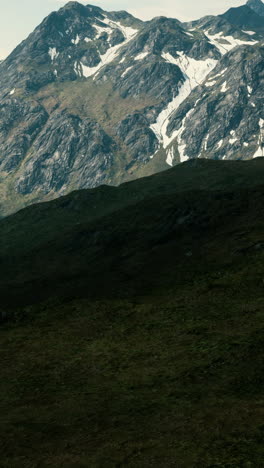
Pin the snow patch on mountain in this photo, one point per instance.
(218, 75)
(127, 31)
(224, 87)
(106, 58)
(208, 84)
(78, 68)
(206, 142)
(249, 90)
(233, 138)
(259, 153)
(141, 56)
(194, 73)
(251, 33)
(53, 53)
(178, 135)
(100, 30)
(112, 52)
(170, 156)
(226, 43)
(260, 150)
(125, 72)
(76, 40)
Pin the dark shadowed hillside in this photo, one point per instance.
(132, 323)
(105, 241)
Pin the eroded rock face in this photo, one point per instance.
(135, 133)
(93, 97)
(20, 124)
(68, 149)
(227, 123)
(245, 17)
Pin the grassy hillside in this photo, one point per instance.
(134, 331)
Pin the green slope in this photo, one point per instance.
(135, 324)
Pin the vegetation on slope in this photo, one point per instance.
(135, 324)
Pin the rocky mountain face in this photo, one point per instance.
(94, 97)
(245, 17)
(257, 6)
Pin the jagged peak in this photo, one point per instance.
(165, 19)
(94, 8)
(245, 17)
(123, 13)
(255, 2)
(257, 6)
(72, 4)
(85, 10)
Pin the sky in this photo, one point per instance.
(18, 18)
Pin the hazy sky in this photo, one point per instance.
(19, 17)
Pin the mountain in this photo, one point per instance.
(94, 97)
(227, 123)
(245, 17)
(132, 323)
(257, 6)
